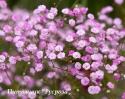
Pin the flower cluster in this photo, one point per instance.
(76, 42)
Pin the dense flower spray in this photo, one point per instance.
(85, 47)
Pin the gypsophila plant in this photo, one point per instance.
(48, 50)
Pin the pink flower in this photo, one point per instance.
(110, 85)
(41, 8)
(86, 66)
(95, 65)
(97, 56)
(90, 16)
(50, 16)
(97, 76)
(94, 89)
(82, 43)
(33, 33)
(3, 4)
(38, 67)
(31, 95)
(61, 55)
(111, 68)
(119, 2)
(39, 54)
(92, 39)
(65, 11)
(59, 48)
(7, 28)
(123, 96)
(32, 47)
(1, 79)
(2, 58)
(12, 60)
(107, 9)
(95, 30)
(86, 58)
(80, 32)
(113, 54)
(89, 49)
(78, 65)
(85, 81)
(54, 11)
(52, 56)
(117, 76)
(19, 44)
(69, 38)
(51, 75)
(76, 55)
(2, 33)
(65, 86)
(72, 22)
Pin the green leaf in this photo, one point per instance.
(96, 5)
(32, 4)
(21, 68)
(12, 3)
(65, 3)
(6, 46)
